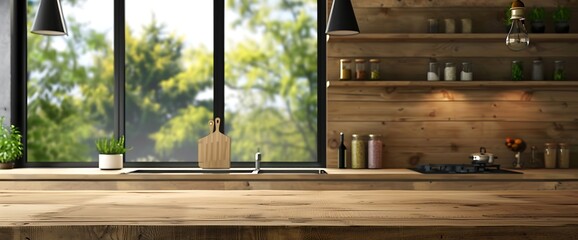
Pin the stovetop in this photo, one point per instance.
(462, 169)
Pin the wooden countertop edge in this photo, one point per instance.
(93, 174)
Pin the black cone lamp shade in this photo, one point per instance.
(49, 19)
(342, 19)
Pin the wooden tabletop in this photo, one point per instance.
(274, 214)
(287, 208)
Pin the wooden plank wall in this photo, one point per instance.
(426, 125)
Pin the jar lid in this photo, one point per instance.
(537, 61)
(449, 64)
(374, 60)
(374, 135)
(345, 60)
(359, 60)
(562, 144)
(559, 61)
(549, 144)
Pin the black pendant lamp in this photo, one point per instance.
(342, 19)
(49, 19)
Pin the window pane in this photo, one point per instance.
(169, 78)
(271, 79)
(70, 84)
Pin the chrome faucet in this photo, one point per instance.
(258, 160)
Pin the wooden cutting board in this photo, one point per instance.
(215, 149)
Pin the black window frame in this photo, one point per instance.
(19, 76)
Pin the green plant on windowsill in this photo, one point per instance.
(111, 146)
(559, 75)
(11, 147)
(537, 14)
(561, 14)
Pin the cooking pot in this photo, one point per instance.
(482, 157)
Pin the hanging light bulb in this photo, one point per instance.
(517, 38)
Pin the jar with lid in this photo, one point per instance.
(433, 73)
(450, 72)
(345, 69)
(517, 70)
(358, 151)
(374, 151)
(537, 70)
(466, 74)
(374, 68)
(559, 70)
(550, 155)
(360, 71)
(563, 155)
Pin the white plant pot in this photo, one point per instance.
(110, 161)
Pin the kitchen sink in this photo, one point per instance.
(289, 171)
(221, 171)
(233, 171)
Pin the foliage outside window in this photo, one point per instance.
(270, 94)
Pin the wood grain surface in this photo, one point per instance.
(289, 214)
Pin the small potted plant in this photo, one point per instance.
(111, 151)
(537, 18)
(561, 17)
(11, 147)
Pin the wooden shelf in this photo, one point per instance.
(445, 37)
(455, 84)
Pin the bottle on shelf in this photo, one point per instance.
(563, 155)
(358, 151)
(433, 25)
(360, 72)
(374, 151)
(450, 25)
(550, 155)
(517, 70)
(537, 70)
(466, 25)
(466, 74)
(559, 70)
(342, 151)
(450, 72)
(345, 69)
(374, 68)
(433, 73)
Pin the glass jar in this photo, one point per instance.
(466, 25)
(432, 25)
(374, 69)
(563, 155)
(537, 70)
(559, 70)
(360, 71)
(550, 155)
(450, 72)
(517, 70)
(450, 25)
(374, 151)
(358, 152)
(433, 73)
(466, 74)
(345, 72)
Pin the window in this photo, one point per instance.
(256, 64)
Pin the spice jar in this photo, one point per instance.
(537, 70)
(374, 150)
(360, 72)
(466, 25)
(433, 73)
(433, 25)
(374, 69)
(450, 72)
(450, 25)
(517, 70)
(358, 152)
(550, 155)
(559, 70)
(563, 156)
(466, 74)
(345, 69)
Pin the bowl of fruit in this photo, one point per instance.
(515, 144)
